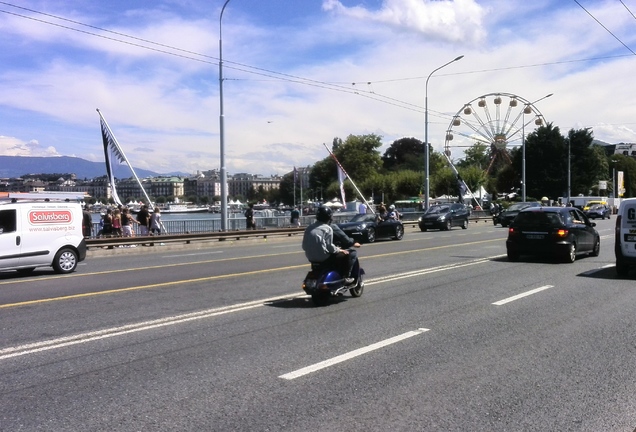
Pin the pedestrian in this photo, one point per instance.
(155, 222)
(117, 222)
(127, 222)
(295, 217)
(143, 219)
(87, 223)
(106, 224)
(362, 208)
(249, 217)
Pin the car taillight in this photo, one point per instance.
(617, 231)
(512, 232)
(561, 233)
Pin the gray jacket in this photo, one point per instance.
(318, 242)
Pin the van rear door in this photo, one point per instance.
(10, 244)
(627, 228)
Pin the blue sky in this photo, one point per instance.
(299, 73)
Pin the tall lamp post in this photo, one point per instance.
(222, 127)
(426, 147)
(523, 142)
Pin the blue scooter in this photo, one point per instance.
(322, 283)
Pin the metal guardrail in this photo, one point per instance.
(187, 238)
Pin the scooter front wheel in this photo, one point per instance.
(359, 288)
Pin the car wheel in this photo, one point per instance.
(370, 235)
(622, 269)
(465, 224)
(399, 232)
(494, 222)
(570, 256)
(422, 229)
(597, 248)
(65, 261)
(513, 256)
(447, 227)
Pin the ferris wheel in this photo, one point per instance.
(498, 120)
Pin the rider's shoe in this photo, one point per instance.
(349, 280)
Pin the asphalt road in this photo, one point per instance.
(448, 336)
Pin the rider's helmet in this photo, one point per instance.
(391, 207)
(323, 214)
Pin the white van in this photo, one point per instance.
(625, 236)
(40, 232)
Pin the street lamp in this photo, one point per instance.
(222, 128)
(526, 110)
(426, 152)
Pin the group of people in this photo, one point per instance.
(119, 222)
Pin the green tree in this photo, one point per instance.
(404, 154)
(587, 166)
(359, 155)
(546, 162)
(475, 156)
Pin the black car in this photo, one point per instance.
(560, 232)
(508, 215)
(444, 216)
(366, 228)
(597, 211)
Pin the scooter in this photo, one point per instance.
(322, 283)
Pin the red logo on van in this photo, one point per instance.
(50, 217)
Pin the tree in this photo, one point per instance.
(404, 154)
(359, 155)
(476, 156)
(546, 162)
(587, 166)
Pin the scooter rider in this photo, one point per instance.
(319, 247)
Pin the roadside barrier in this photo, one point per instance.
(187, 238)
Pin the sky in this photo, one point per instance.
(299, 73)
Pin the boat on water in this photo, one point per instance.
(183, 208)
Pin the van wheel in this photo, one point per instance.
(65, 261)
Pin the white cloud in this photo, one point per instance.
(459, 20)
(10, 146)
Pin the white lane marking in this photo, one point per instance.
(35, 347)
(351, 354)
(81, 338)
(525, 294)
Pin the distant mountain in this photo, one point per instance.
(18, 166)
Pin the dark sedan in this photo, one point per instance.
(508, 215)
(366, 228)
(444, 216)
(560, 232)
(598, 211)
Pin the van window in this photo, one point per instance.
(7, 221)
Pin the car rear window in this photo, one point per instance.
(539, 219)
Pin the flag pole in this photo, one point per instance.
(347, 176)
(111, 141)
